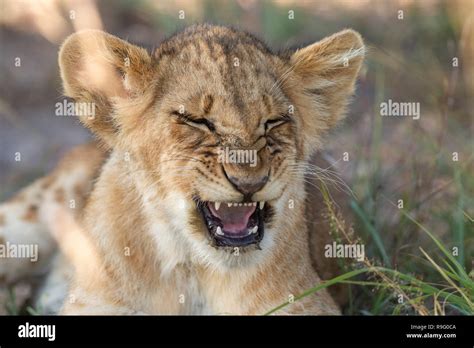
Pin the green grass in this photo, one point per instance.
(10, 305)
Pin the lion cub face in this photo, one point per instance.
(217, 126)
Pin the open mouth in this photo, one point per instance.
(234, 224)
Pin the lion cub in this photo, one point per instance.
(200, 206)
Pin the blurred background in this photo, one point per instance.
(419, 51)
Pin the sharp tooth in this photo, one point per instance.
(240, 204)
(261, 204)
(236, 204)
(254, 230)
(217, 205)
(219, 231)
(229, 205)
(254, 204)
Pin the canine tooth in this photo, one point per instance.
(229, 205)
(254, 230)
(261, 204)
(219, 231)
(217, 205)
(254, 204)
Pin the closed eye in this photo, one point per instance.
(276, 122)
(200, 123)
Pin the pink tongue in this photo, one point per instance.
(234, 219)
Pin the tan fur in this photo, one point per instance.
(143, 245)
(26, 213)
(31, 214)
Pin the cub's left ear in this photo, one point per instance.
(326, 72)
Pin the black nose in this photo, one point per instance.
(248, 186)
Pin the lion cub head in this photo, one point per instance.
(215, 126)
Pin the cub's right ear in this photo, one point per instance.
(102, 69)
